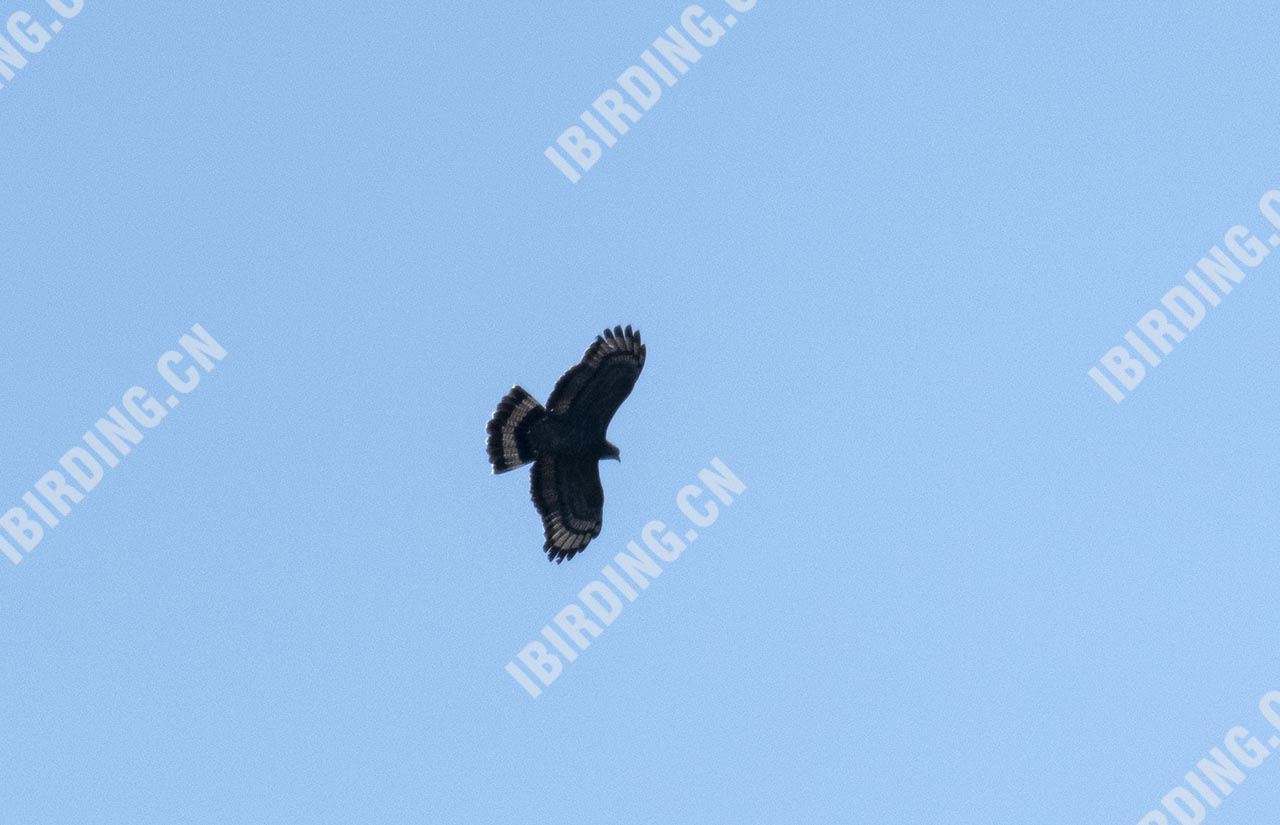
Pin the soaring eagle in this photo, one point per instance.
(566, 439)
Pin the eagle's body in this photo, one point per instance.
(566, 439)
(560, 435)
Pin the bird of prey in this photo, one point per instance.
(566, 439)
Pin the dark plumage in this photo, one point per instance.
(566, 439)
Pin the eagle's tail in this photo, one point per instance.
(509, 443)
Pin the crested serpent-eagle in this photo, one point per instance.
(566, 439)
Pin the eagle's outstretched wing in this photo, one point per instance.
(567, 492)
(591, 392)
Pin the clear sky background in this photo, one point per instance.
(873, 249)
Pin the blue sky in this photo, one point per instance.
(873, 250)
